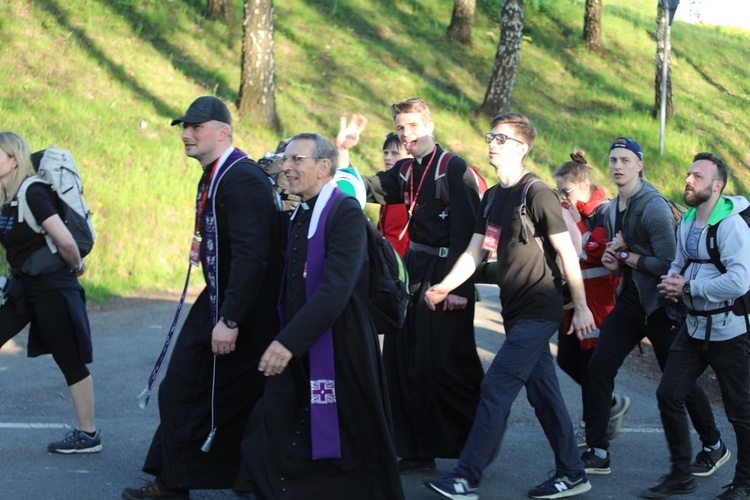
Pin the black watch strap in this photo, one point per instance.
(230, 324)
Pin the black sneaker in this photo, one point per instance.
(708, 460)
(594, 464)
(735, 491)
(561, 487)
(408, 465)
(154, 490)
(670, 485)
(77, 441)
(453, 486)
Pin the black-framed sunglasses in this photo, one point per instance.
(500, 138)
(296, 159)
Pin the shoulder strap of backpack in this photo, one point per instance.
(24, 212)
(526, 222)
(441, 185)
(26, 215)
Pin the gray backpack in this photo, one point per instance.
(58, 170)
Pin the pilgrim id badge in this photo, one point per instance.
(195, 251)
(491, 238)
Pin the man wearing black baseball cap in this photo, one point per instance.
(213, 382)
(205, 109)
(642, 245)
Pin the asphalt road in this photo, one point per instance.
(128, 334)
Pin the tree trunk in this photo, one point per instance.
(592, 25)
(661, 26)
(500, 88)
(220, 9)
(256, 98)
(461, 21)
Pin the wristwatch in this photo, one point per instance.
(230, 324)
(686, 288)
(624, 255)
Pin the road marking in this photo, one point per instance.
(23, 425)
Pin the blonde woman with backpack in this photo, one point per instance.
(52, 301)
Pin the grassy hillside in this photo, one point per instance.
(104, 78)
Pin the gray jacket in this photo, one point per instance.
(709, 288)
(649, 233)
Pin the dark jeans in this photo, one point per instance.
(524, 360)
(619, 333)
(730, 360)
(574, 361)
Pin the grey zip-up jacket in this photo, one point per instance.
(709, 288)
(650, 234)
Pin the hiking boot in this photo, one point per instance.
(409, 465)
(735, 491)
(708, 460)
(669, 485)
(620, 406)
(561, 487)
(594, 464)
(453, 486)
(581, 435)
(154, 490)
(77, 441)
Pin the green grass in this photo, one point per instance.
(104, 79)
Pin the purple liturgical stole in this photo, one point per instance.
(324, 418)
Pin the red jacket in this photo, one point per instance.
(392, 221)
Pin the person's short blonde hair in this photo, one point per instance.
(413, 105)
(15, 146)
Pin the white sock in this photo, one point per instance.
(600, 453)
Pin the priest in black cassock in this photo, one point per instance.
(322, 428)
(432, 366)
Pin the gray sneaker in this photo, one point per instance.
(708, 460)
(77, 441)
(620, 406)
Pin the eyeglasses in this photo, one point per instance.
(500, 138)
(566, 192)
(296, 159)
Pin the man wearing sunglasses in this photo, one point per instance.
(531, 294)
(432, 366)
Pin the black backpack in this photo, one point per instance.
(388, 295)
(389, 283)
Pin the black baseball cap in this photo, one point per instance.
(205, 109)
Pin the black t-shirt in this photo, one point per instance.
(19, 240)
(530, 283)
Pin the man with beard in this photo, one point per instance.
(640, 231)
(432, 367)
(714, 330)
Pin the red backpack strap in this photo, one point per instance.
(441, 184)
(481, 183)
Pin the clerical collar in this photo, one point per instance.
(304, 205)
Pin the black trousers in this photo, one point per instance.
(730, 360)
(619, 333)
